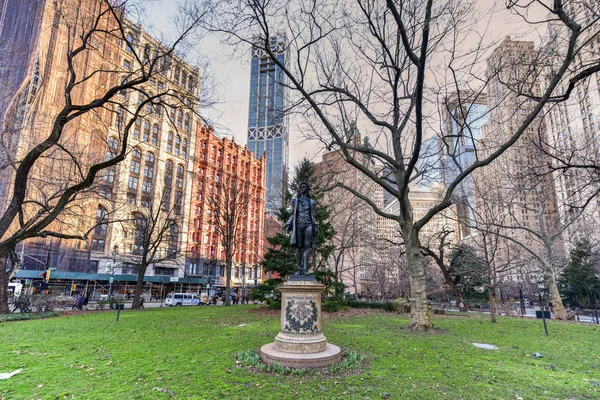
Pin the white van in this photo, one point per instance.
(182, 299)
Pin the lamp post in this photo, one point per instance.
(115, 252)
(244, 282)
(521, 299)
(541, 296)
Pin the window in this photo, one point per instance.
(129, 269)
(164, 271)
(170, 142)
(136, 128)
(119, 119)
(129, 43)
(155, 133)
(168, 173)
(186, 125)
(146, 186)
(126, 64)
(146, 134)
(173, 241)
(177, 209)
(140, 225)
(149, 166)
(179, 179)
(184, 148)
(179, 118)
(136, 156)
(176, 75)
(131, 198)
(184, 79)
(177, 145)
(132, 183)
(99, 238)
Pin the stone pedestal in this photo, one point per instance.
(300, 342)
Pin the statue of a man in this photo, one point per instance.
(303, 227)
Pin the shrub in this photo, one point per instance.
(334, 305)
(401, 306)
(26, 316)
(101, 304)
(274, 304)
(387, 306)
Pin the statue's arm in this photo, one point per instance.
(290, 223)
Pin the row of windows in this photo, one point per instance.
(179, 76)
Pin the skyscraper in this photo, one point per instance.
(463, 118)
(267, 122)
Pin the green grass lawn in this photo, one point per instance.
(189, 353)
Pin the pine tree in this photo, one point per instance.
(579, 285)
(281, 256)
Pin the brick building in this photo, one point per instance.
(221, 164)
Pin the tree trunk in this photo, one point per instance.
(460, 302)
(557, 305)
(4, 309)
(228, 282)
(492, 304)
(138, 286)
(419, 309)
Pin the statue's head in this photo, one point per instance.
(304, 188)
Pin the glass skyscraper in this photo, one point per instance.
(463, 124)
(267, 121)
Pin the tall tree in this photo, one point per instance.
(59, 161)
(156, 237)
(579, 281)
(230, 205)
(377, 62)
(281, 256)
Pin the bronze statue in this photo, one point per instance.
(303, 227)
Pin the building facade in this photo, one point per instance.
(515, 194)
(355, 222)
(463, 117)
(153, 181)
(221, 164)
(574, 133)
(267, 120)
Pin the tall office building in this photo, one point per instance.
(267, 123)
(574, 131)
(463, 118)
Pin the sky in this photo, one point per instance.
(230, 73)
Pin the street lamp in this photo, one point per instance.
(542, 307)
(115, 252)
(521, 299)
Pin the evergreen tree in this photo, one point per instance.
(468, 272)
(281, 256)
(579, 285)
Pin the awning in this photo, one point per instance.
(83, 276)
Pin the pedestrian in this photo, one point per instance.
(86, 300)
(80, 302)
(142, 302)
(214, 300)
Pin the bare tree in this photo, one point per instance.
(59, 159)
(376, 62)
(230, 205)
(156, 237)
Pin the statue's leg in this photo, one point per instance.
(305, 256)
(299, 260)
(308, 240)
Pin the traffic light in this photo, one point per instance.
(47, 275)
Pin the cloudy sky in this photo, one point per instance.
(230, 72)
